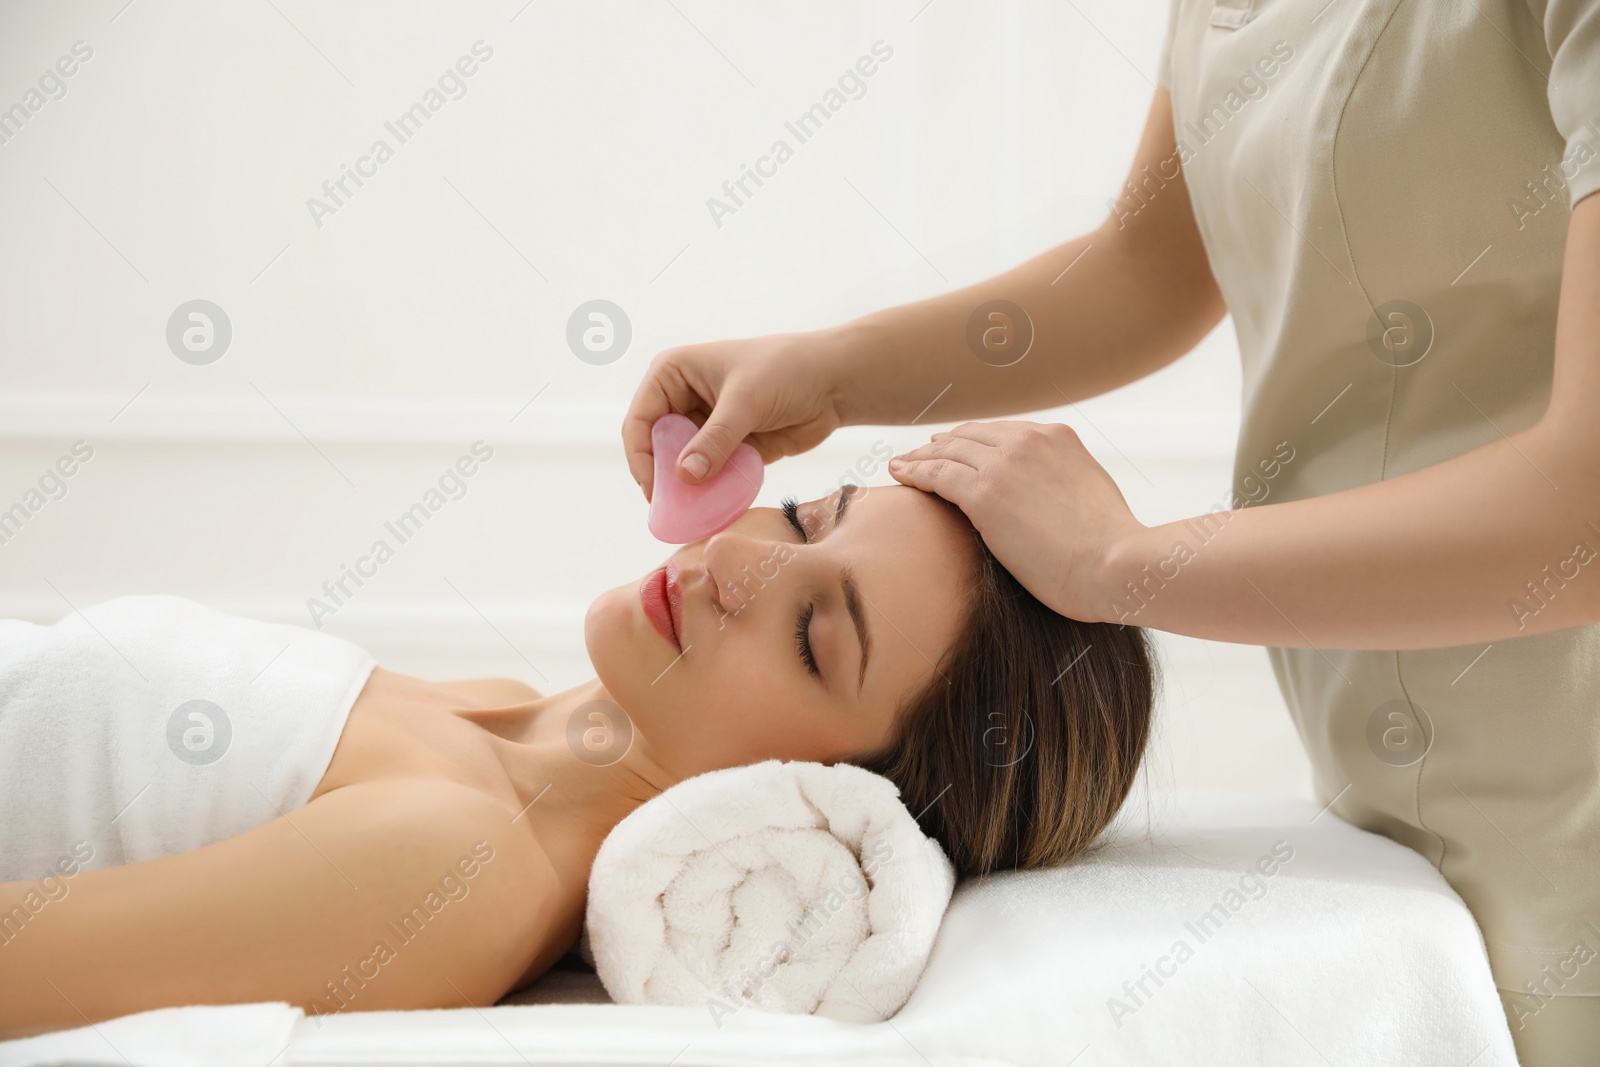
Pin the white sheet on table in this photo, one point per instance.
(1356, 952)
(212, 1035)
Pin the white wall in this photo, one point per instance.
(370, 351)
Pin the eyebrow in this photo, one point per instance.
(852, 603)
(846, 492)
(852, 597)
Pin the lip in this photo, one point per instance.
(662, 599)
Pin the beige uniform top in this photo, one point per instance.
(1384, 188)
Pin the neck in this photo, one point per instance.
(577, 766)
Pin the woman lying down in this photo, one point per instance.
(197, 808)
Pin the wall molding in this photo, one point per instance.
(432, 623)
(553, 420)
(540, 630)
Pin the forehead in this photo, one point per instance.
(882, 507)
(910, 553)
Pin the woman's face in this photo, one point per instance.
(783, 642)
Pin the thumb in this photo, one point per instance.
(708, 451)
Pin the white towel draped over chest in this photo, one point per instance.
(150, 725)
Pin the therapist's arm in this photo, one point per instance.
(1439, 557)
(1500, 542)
(1106, 309)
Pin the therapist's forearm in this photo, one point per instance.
(1113, 318)
(1442, 556)
(1500, 542)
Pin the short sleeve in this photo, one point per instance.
(1572, 34)
(1164, 66)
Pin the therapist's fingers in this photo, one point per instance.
(950, 446)
(731, 420)
(657, 394)
(693, 389)
(992, 432)
(950, 478)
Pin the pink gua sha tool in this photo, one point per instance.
(680, 512)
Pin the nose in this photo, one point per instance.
(737, 564)
(701, 581)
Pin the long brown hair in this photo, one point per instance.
(1026, 741)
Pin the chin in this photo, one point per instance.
(611, 637)
(603, 625)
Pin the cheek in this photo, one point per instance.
(761, 709)
(738, 708)
(735, 683)
(741, 702)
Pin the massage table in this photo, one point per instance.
(1209, 928)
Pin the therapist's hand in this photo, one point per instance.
(778, 392)
(1047, 510)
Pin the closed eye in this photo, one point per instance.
(802, 640)
(802, 626)
(791, 511)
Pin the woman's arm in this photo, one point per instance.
(1498, 542)
(395, 894)
(1107, 308)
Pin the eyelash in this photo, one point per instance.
(791, 511)
(802, 640)
(802, 629)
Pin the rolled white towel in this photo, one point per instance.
(793, 887)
